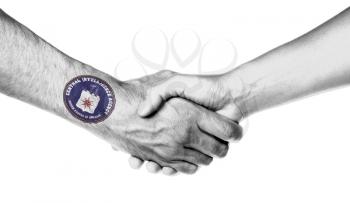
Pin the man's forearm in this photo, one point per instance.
(34, 71)
(314, 62)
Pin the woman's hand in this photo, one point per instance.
(212, 92)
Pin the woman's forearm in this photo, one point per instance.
(314, 62)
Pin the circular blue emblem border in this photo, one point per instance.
(89, 98)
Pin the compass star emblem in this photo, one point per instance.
(87, 103)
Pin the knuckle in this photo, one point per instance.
(151, 93)
(148, 94)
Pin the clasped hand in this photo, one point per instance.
(176, 134)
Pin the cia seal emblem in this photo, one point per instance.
(89, 98)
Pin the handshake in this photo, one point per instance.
(175, 122)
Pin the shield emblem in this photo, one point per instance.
(88, 102)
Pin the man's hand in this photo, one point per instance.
(203, 90)
(180, 136)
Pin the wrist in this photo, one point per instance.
(240, 90)
(115, 128)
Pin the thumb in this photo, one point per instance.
(178, 86)
(151, 104)
(156, 96)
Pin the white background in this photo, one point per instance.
(294, 153)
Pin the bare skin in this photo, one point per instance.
(317, 61)
(181, 136)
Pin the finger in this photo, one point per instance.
(169, 171)
(135, 162)
(153, 167)
(184, 167)
(209, 145)
(196, 157)
(219, 126)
